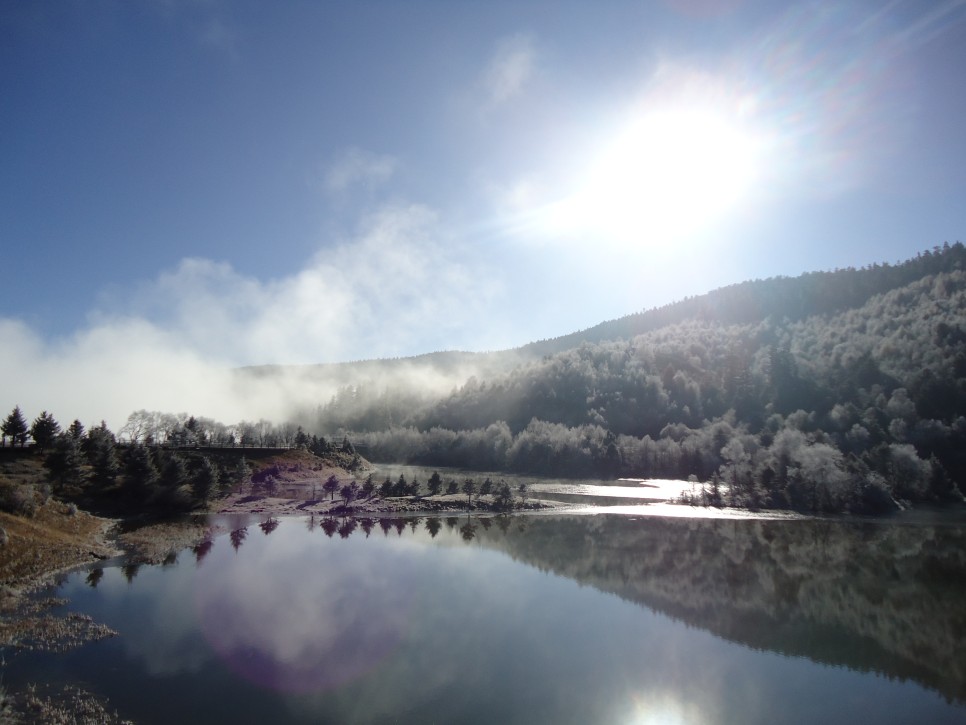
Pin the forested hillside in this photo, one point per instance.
(833, 390)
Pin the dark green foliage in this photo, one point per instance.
(503, 497)
(469, 488)
(44, 430)
(330, 486)
(140, 472)
(385, 488)
(76, 430)
(242, 473)
(65, 462)
(14, 427)
(368, 487)
(205, 480)
(435, 484)
(105, 466)
(174, 471)
(349, 493)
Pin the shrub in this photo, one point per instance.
(18, 500)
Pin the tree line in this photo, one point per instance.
(90, 462)
(850, 410)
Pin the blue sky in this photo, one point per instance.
(210, 183)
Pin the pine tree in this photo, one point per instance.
(469, 488)
(16, 427)
(65, 462)
(104, 463)
(44, 430)
(141, 473)
(205, 481)
(174, 472)
(331, 485)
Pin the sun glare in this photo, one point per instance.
(665, 174)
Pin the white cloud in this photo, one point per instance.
(396, 289)
(358, 166)
(510, 69)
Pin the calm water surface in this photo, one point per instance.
(532, 619)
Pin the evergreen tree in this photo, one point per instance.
(330, 486)
(242, 473)
(301, 439)
(469, 488)
(95, 437)
(140, 470)
(205, 480)
(65, 462)
(486, 487)
(368, 487)
(349, 492)
(76, 430)
(16, 427)
(385, 488)
(44, 430)
(503, 499)
(435, 484)
(104, 463)
(174, 472)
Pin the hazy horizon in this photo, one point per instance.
(193, 187)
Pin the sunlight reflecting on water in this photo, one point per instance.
(648, 710)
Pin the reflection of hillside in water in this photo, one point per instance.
(882, 597)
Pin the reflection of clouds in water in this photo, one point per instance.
(314, 619)
(165, 639)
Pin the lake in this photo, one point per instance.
(538, 618)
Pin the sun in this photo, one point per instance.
(664, 174)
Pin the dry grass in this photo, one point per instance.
(51, 540)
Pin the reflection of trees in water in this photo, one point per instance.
(269, 525)
(347, 527)
(329, 526)
(130, 570)
(468, 530)
(201, 550)
(94, 577)
(238, 536)
(871, 596)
